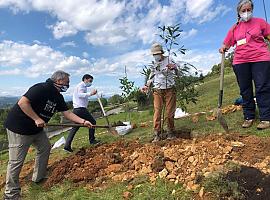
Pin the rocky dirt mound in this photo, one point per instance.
(185, 161)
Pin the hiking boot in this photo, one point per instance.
(157, 137)
(171, 135)
(93, 142)
(263, 125)
(247, 123)
(40, 181)
(16, 197)
(68, 149)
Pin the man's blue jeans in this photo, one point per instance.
(259, 72)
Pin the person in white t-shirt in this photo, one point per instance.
(162, 77)
(80, 103)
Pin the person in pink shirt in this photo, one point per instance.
(251, 62)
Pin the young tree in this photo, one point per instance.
(127, 87)
(186, 77)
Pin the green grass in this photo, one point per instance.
(208, 100)
(141, 190)
(222, 188)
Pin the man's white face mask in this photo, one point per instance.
(246, 16)
(157, 57)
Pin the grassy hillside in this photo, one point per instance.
(162, 190)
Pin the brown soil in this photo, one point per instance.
(182, 160)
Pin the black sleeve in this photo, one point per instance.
(34, 93)
(61, 105)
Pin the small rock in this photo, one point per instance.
(163, 173)
(201, 193)
(191, 159)
(127, 195)
(237, 144)
(171, 176)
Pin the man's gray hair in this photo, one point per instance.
(242, 2)
(59, 75)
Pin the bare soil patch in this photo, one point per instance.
(183, 160)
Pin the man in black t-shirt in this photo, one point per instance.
(25, 124)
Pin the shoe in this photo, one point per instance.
(263, 125)
(40, 181)
(157, 137)
(171, 135)
(68, 149)
(16, 197)
(94, 142)
(247, 123)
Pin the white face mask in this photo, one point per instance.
(157, 58)
(246, 16)
(88, 84)
(64, 88)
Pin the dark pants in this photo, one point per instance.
(259, 72)
(83, 113)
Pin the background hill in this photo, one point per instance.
(6, 102)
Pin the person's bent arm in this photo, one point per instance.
(71, 116)
(25, 105)
(82, 94)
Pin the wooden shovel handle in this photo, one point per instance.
(81, 125)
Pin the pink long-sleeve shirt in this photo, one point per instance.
(249, 40)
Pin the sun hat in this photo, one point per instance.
(156, 48)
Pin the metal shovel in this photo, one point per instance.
(109, 128)
(220, 118)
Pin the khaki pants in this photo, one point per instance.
(167, 97)
(18, 148)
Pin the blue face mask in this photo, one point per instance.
(88, 84)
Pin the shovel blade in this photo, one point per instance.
(112, 130)
(222, 121)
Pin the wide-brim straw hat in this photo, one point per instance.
(156, 48)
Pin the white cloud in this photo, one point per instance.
(111, 21)
(2, 33)
(189, 34)
(35, 60)
(13, 91)
(85, 54)
(202, 11)
(15, 71)
(68, 44)
(62, 29)
(37, 42)
(133, 61)
(202, 60)
(196, 8)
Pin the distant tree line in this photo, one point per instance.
(227, 65)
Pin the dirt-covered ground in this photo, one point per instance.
(182, 160)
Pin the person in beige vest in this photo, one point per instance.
(162, 77)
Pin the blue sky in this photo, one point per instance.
(101, 37)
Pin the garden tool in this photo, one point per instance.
(81, 125)
(109, 128)
(220, 118)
